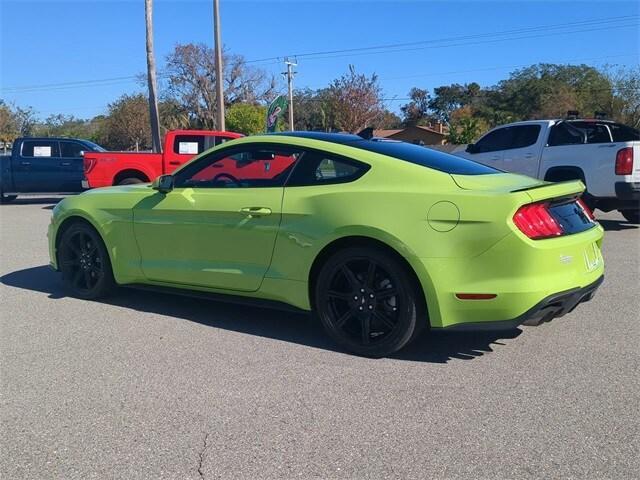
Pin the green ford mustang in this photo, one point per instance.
(378, 238)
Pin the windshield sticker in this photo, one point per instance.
(188, 147)
(41, 151)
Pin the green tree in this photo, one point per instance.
(448, 98)
(546, 90)
(416, 112)
(127, 127)
(246, 118)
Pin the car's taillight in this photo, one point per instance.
(88, 164)
(624, 161)
(588, 212)
(535, 221)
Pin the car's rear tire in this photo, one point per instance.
(7, 198)
(130, 181)
(368, 302)
(84, 262)
(632, 216)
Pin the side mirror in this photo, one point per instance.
(471, 148)
(163, 184)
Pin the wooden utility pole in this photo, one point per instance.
(154, 117)
(289, 74)
(218, 54)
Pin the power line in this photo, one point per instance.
(482, 42)
(394, 46)
(375, 50)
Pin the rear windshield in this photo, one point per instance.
(426, 157)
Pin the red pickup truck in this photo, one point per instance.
(103, 169)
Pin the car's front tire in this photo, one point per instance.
(368, 302)
(632, 216)
(84, 262)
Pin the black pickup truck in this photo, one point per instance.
(44, 165)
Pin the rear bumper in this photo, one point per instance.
(627, 198)
(553, 306)
(628, 191)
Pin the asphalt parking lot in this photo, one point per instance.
(154, 386)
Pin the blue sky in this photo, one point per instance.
(54, 42)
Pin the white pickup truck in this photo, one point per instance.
(601, 153)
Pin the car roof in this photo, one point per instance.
(407, 152)
(341, 138)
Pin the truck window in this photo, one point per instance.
(40, 148)
(524, 136)
(622, 133)
(72, 149)
(564, 134)
(595, 132)
(193, 144)
(496, 140)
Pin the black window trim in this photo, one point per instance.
(36, 141)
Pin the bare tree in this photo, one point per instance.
(191, 82)
(151, 79)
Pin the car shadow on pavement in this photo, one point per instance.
(49, 202)
(616, 225)
(300, 328)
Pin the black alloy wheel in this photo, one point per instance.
(367, 302)
(84, 263)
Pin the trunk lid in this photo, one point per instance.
(537, 190)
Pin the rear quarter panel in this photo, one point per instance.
(392, 203)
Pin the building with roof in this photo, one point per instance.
(418, 134)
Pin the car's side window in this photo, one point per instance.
(316, 168)
(248, 167)
(72, 149)
(40, 148)
(499, 139)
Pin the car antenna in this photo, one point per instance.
(366, 133)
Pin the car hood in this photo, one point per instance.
(134, 188)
